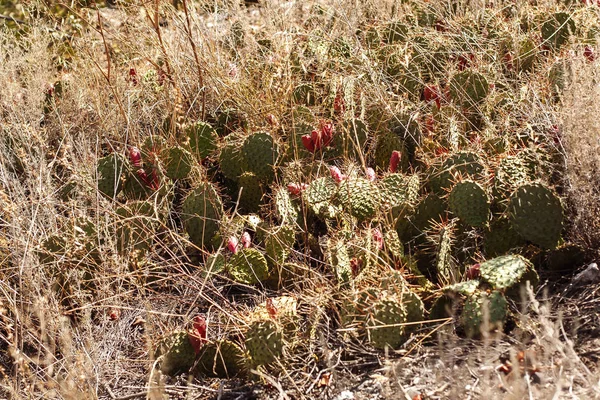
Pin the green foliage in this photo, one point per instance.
(469, 202)
(176, 352)
(201, 213)
(110, 173)
(248, 266)
(264, 341)
(385, 323)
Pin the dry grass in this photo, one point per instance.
(59, 339)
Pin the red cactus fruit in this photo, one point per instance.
(133, 76)
(336, 174)
(432, 93)
(473, 272)
(232, 244)
(271, 309)
(378, 237)
(339, 105)
(371, 174)
(395, 161)
(308, 143)
(295, 189)
(355, 265)
(589, 53)
(246, 240)
(327, 129)
(135, 157)
(197, 335)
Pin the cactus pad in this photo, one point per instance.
(469, 202)
(248, 266)
(264, 341)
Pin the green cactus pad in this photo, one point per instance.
(231, 159)
(465, 288)
(304, 94)
(359, 197)
(398, 190)
(385, 144)
(251, 192)
(230, 120)
(463, 163)
(319, 193)
(557, 29)
(177, 353)
(431, 209)
(264, 342)
(110, 172)
(415, 310)
(385, 312)
(221, 359)
(201, 214)
(500, 238)
(470, 203)
(511, 173)
(261, 153)
(469, 88)
(505, 271)
(482, 310)
(135, 226)
(248, 266)
(537, 214)
(285, 209)
(178, 162)
(202, 138)
(279, 244)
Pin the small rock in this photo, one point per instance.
(345, 395)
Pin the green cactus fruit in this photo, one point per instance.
(230, 120)
(500, 238)
(248, 266)
(537, 214)
(398, 190)
(201, 214)
(385, 325)
(463, 164)
(176, 352)
(385, 144)
(202, 138)
(264, 341)
(261, 153)
(286, 210)
(359, 197)
(110, 172)
(470, 203)
(251, 194)
(221, 359)
(469, 89)
(557, 29)
(279, 244)
(178, 162)
(511, 173)
(304, 94)
(394, 32)
(135, 227)
(484, 312)
(505, 272)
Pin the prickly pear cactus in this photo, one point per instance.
(285, 210)
(201, 213)
(557, 29)
(483, 313)
(469, 89)
(231, 159)
(398, 190)
(261, 153)
(248, 266)
(279, 244)
(537, 214)
(178, 162)
(178, 354)
(506, 271)
(470, 203)
(463, 164)
(251, 192)
(500, 238)
(264, 341)
(110, 173)
(221, 359)
(135, 227)
(359, 197)
(202, 138)
(385, 323)
(385, 144)
(511, 173)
